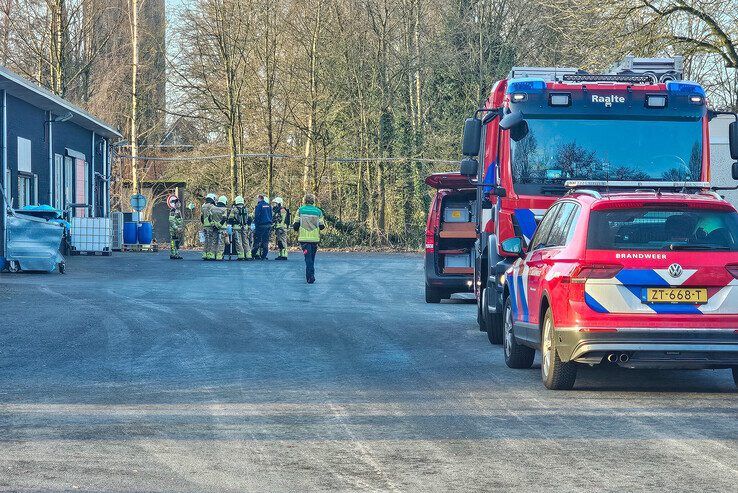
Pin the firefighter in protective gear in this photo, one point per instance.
(207, 229)
(239, 220)
(281, 218)
(176, 228)
(218, 217)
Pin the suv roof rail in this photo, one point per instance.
(636, 184)
(585, 191)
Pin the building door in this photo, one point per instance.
(81, 186)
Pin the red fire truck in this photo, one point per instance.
(639, 123)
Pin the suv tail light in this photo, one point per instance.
(430, 242)
(733, 269)
(595, 271)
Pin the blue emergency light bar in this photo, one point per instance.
(526, 85)
(685, 88)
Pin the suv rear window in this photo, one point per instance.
(663, 229)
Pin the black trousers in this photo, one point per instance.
(261, 240)
(309, 249)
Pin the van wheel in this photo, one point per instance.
(432, 295)
(516, 354)
(556, 374)
(735, 375)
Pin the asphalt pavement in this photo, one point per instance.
(137, 373)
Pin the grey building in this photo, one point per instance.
(53, 152)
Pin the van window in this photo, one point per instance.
(663, 229)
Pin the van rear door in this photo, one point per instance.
(454, 181)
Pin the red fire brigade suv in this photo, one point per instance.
(640, 279)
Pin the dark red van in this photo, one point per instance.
(449, 237)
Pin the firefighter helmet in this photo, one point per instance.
(223, 200)
(239, 200)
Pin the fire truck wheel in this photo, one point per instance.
(494, 328)
(516, 354)
(492, 322)
(432, 295)
(556, 374)
(480, 311)
(735, 375)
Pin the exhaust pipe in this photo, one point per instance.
(612, 358)
(624, 358)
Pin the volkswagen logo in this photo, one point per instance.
(675, 270)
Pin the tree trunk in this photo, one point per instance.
(310, 140)
(134, 95)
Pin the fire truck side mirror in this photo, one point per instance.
(511, 120)
(469, 167)
(733, 140)
(516, 124)
(472, 137)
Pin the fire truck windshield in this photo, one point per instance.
(555, 150)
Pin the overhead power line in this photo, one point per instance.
(288, 156)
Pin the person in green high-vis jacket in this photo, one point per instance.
(309, 223)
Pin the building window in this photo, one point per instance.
(68, 181)
(7, 188)
(27, 189)
(24, 155)
(58, 181)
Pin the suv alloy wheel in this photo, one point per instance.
(556, 374)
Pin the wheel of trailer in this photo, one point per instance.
(516, 354)
(492, 321)
(556, 374)
(13, 266)
(62, 267)
(735, 375)
(432, 295)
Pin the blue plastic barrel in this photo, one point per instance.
(145, 232)
(130, 233)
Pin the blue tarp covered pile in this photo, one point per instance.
(33, 239)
